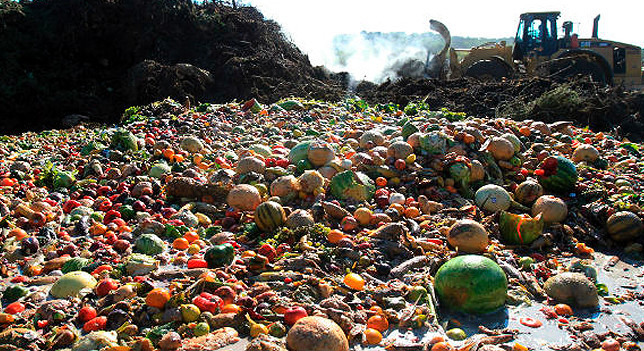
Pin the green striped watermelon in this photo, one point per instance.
(269, 216)
(352, 185)
(558, 174)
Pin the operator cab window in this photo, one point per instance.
(534, 35)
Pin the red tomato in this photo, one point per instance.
(94, 324)
(293, 314)
(14, 307)
(86, 313)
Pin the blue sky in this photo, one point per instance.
(312, 24)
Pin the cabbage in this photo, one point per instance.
(140, 264)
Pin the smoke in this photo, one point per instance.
(376, 56)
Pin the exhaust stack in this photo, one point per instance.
(595, 27)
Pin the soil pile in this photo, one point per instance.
(98, 57)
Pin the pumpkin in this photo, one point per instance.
(284, 186)
(500, 148)
(559, 174)
(244, 197)
(492, 198)
(371, 138)
(299, 152)
(352, 185)
(316, 334)
(552, 209)
(574, 289)
(299, 218)
(269, 216)
(585, 152)
(191, 144)
(320, 153)
(251, 164)
(477, 171)
(520, 229)
(310, 180)
(399, 150)
(471, 283)
(149, 244)
(528, 191)
(71, 284)
(624, 226)
(75, 264)
(468, 236)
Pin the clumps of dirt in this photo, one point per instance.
(95, 58)
(600, 107)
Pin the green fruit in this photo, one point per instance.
(408, 129)
(189, 312)
(471, 283)
(71, 284)
(220, 255)
(520, 229)
(74, 264)
(560, 174)
(352, 185)
(456, 334)
(149, 244)
(201, 329)
(417, 293)
(526, 262)
(14, 292)
(299, 152)
(269, 216)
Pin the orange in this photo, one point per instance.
(335, 236)
(180, 244)
(230, 308)
(18, 233)
(441, 346)
(372, 336)
(378, 322)
(525, 131)
(563, 310)
(157, 297)
(191, 236)
(168, 153)
(412, 212)
(98, 229)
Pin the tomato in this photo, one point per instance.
(94, 324)
(86, 313)
(530, 322)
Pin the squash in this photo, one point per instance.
(520, 229)
(624, 226)
(500, 148)
(299, 152)
(250, 164)
(527, 192)
(352, 185)
(585, 152)
(244, 197)
(574, 289)
(492, 198)
(310, 180)
(269, 216)
(514, 140)
(371, 138)
(320, 153)
(559, 174)
(399, 150)
(75, 264)
(159, 169)
(552, 209)
(149, 244)
(468, 236)
(299, 218)
(284, 186)
(472, 284)
(71, 284)
(316, 334)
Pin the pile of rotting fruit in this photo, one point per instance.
(306, 225)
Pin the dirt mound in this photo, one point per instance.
(586, 103)
(97, 57)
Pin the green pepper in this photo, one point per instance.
(220, 255)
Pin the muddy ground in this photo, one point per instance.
(72, 57)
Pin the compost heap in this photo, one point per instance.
(190, 228)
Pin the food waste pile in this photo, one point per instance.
(307, 225)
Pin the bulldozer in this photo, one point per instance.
(539, 50)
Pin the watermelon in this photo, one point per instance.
(75, 264)
(520, 229)
(352, 185)
(408, 129)
(472, 284)
(299, 152)
(559, 174)
(269, 216)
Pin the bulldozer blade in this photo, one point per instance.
(436, 68)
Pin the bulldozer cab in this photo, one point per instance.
(536, 35)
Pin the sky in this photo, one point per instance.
(311, 25)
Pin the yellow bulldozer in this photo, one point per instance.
(538, 50)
